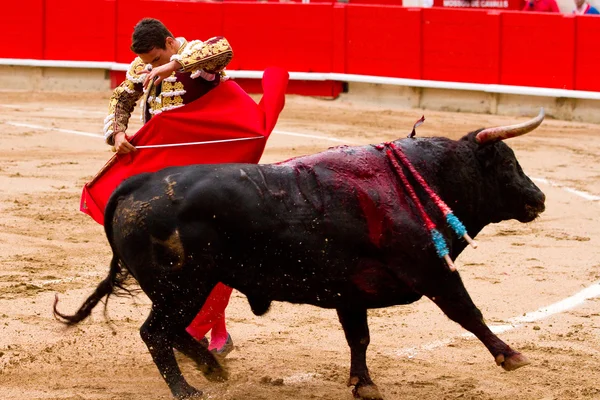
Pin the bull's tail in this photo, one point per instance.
(116, 277)
(118, 273)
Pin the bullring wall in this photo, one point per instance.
(436, 44)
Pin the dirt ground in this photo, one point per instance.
(48, 246)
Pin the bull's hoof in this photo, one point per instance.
(512, 362)
(216, 374)
(367, 392)
(188, 393)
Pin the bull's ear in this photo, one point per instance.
(491, 135)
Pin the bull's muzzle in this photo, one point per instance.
(535, 207)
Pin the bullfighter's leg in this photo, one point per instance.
(212, 317)
(158, 336)
(452, 298)
(356, 329)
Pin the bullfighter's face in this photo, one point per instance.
(157, 57)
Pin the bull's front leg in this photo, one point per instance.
(159, 339)
(205, 360)
(452, 298)
(356, 329)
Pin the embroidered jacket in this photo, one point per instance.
(202, 65)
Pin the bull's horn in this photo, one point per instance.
(490, 135)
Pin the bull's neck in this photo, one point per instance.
(450, 169)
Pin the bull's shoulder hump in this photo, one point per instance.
(430, 146)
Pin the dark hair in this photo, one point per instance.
(148, 34)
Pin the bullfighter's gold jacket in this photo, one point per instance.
(202, 67)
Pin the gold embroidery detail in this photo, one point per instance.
(135, 68)
(213, 56)
(171, 87)
(172, 101)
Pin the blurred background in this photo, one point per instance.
(485, 56)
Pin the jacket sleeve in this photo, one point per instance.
(123, 100)
(211, 56)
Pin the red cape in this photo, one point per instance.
(226, 112)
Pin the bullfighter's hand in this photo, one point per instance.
(157, 74)
(122, 145)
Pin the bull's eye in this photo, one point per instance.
(509, 164)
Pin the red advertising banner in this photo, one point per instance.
(488, 4)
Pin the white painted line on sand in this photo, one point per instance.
(83, 112)
(577, 299)
(89, 134)
(78, 111)
(561, 306)
(576, 192)
(319, 137)
(14, 106)
(46, 128)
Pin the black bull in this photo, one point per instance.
(334, 230)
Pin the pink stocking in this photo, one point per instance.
(212, 317)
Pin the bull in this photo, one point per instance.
(334, 229)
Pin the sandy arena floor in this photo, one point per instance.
(297, 352)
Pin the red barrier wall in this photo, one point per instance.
(587, 53)
(538, 50)
(460, 45)
(340, 38)
(70, 34)
(25, 27)
(291, 35)
(383, 41)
